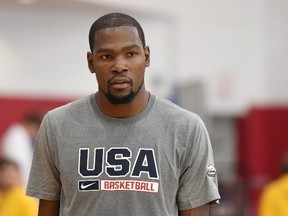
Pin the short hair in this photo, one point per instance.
(34, 117)
(114, 20)
(7, 162)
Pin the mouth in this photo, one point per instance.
(120, 82)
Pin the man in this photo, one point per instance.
(13, 201)
(274, 198)
(122, 151)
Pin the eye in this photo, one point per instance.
(106, 57)
(130, 54)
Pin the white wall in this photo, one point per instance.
(238, 49)
(276, 60)
(46, 53)
(224, 44)
(43, 51)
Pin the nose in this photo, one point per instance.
(119, 65)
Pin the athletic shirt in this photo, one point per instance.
(155, 163)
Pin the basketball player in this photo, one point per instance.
(122, 150)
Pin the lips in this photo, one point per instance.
(120, 82)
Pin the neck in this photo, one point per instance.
(123, 110)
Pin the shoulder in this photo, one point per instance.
(77, 106)
(73, 111)
(173, 112)
(73, 106)
(169, 117)
(16, 193)
(273, 187)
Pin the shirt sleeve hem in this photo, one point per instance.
(42, 195)
(198, 203)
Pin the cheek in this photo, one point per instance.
(102, 67)
(102, 73)
(139, 73)
(101, 79)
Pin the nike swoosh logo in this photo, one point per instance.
(82, 186)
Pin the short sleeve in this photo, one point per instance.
(44, 179)
(198, 181)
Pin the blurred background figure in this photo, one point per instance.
(274, 198)
(18, 141)
(13, 201)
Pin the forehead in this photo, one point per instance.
(117, 35)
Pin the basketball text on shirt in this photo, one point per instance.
(116, 163)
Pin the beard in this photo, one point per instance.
(124, 99)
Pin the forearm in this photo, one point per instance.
(199, 211)
(49, 207)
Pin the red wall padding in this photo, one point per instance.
(262, 140)
(13, 109)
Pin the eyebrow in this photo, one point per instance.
(133, 46)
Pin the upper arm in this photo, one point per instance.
(49, 207)
(199, 211)
(198, 178)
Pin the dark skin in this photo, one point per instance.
(119, 60)
(119, 52)
(49, 207)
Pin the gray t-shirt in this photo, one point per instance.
(154, 163)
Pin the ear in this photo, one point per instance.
(90, 62)
(147, 56)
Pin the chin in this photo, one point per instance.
(125, 99)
